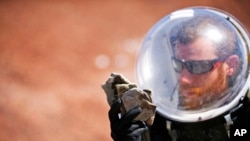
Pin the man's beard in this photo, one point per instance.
(204, 96)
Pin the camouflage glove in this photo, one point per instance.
(110, 86)
(125, 128)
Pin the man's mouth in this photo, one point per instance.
(190, 92)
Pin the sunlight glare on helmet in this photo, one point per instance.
(213, 34)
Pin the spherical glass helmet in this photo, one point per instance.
(195, 62)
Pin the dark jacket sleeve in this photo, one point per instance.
(158, 131)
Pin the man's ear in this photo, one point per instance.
(233, 64)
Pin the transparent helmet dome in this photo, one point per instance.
(195, 62)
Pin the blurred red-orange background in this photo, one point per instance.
(54, 55)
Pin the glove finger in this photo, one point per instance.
(138, 132)
(133, 127)
(129, 116)
(137, 124)
(114, 111)
(139, 128)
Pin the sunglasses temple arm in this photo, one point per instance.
(172, 94)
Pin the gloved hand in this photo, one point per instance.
(124, 128)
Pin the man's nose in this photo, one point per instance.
(185, 76)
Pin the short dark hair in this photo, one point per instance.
(194, 28)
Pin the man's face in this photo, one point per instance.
(199, 90)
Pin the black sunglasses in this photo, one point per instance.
(195, 67)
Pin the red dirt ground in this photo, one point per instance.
(54, 55)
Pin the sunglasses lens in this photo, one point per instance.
(177, 64)
(199, 67)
